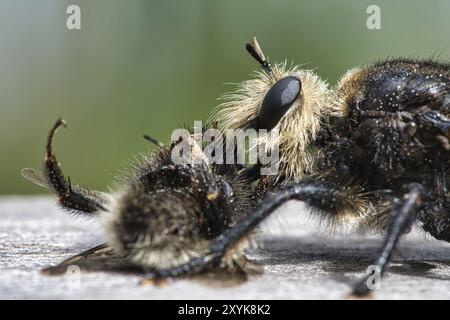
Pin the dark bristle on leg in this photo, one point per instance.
(70, 197)
(402, 218)
(313, 194)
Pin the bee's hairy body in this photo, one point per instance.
(168, 213)
(163, 214)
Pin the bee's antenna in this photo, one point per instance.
(255, 51)
(154, 141)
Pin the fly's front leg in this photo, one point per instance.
(327, 199)
(403, 216)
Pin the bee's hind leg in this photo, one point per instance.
(316, 195)
(404, 215)
(71, 197)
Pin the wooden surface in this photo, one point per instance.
(299, 262)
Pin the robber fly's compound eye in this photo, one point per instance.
(277, 101)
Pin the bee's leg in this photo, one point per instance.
(316, 195)
(402, 218)
(70, 197)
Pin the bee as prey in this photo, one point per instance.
(371, 153)
(163, 215)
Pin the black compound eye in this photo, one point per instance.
(277, 101)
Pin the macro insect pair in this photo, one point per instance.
(369, 154)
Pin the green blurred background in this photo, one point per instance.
(144, 66)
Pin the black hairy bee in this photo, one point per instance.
(163, 215)
(371, 153)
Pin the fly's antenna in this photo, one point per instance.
(153, 140)
(255, 51)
